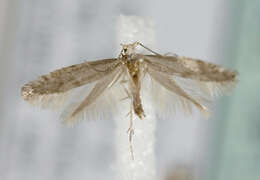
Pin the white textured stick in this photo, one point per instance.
(131, 29)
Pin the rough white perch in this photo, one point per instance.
(131, 29)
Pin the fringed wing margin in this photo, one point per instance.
(181, 83)
(55, 89)
(98, 103)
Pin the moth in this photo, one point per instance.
(170, 80)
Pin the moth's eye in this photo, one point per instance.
(125, 50)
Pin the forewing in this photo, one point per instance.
(54, 89)
(211, 78)
(191, 68)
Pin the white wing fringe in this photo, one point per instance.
(101, 105)
(52, 101)
(169, 103)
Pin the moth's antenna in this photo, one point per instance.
(140, 44)
(133, 29)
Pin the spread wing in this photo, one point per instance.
(101, 99)
(181, 82)
(189, 68)
(65, 87)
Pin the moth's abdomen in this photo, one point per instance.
(138, 109)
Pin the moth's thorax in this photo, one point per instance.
(129, 57)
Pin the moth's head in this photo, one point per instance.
(129, 49)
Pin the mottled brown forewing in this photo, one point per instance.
(67, 78)
(190, 68)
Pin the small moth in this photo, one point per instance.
(182, 81)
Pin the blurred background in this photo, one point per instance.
(38, 36)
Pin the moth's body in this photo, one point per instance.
(133, 66)
(190, 81)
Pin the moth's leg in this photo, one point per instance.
(130, 129)
(130, 132)
(140, 44)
